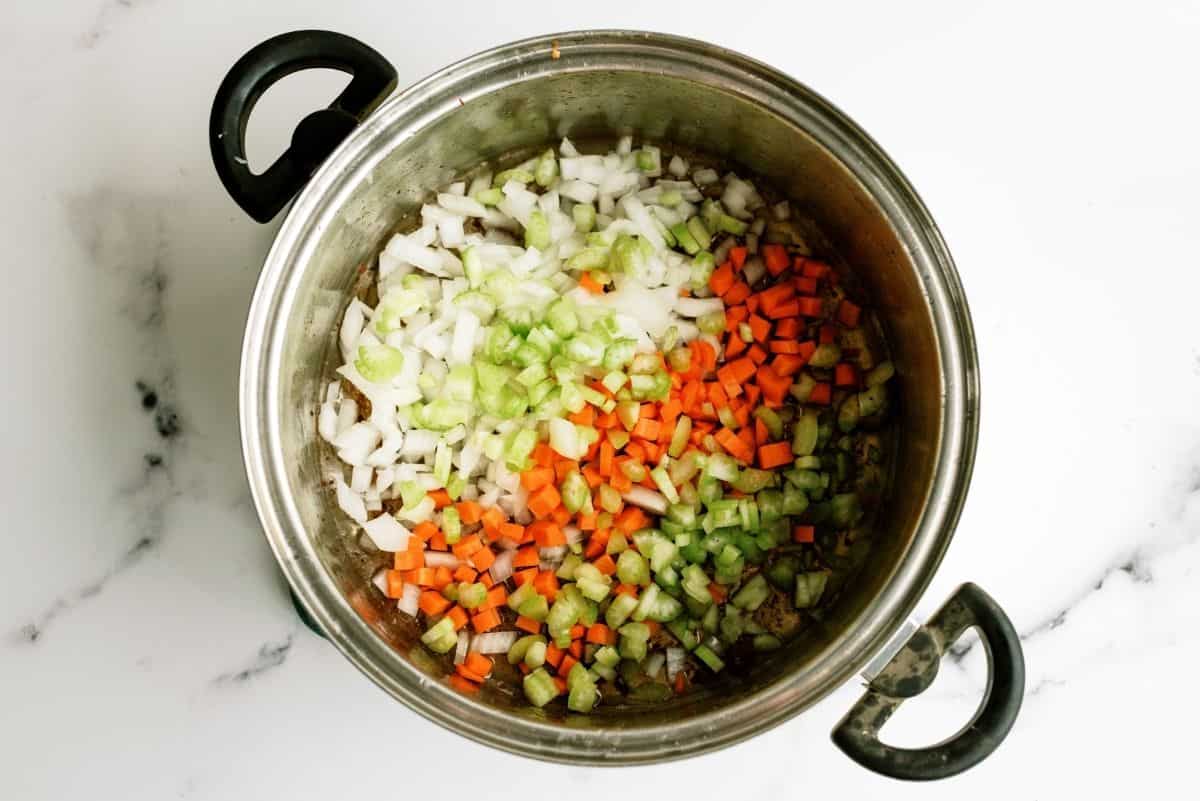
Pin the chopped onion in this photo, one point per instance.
(493, 642)
(360, 478)
(386, 533)
(380, 581)
(553, 554)
(460, 649)
(647, 499)
(410, 599)
(502, 568)
(654, 663)
(697, 307)
(440, 559)
(327, 422)
(348, 501)
(676, 658)
(573, 534)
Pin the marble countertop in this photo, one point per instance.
(147, 645)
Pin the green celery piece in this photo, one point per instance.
(539, 688)
(379, 363)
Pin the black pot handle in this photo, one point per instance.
(913, 669)
(262, 196)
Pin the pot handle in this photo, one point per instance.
(913, 669)
(263, 195)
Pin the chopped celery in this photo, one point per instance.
(489, 197)
(619, 353)
(411, 493)
(613, 380)
(680, 360)
(695, 584)
(848, 414)
(566, 570)
(610, 499)
(711, 323)
(574, 491)
(451, 525)
(809, 587)
(540, 688)
(546, 169)
(515, 174)
(683, 236)
(699, 232)
(721, 466)
(826, 355)
(537, 231)
(591, 258)
(562, 317)
(663, 482)
(746, 334)
(732, 625)
(752, 594)
(804, 434)
(536, 608)
(709, 658)
(581, 689)
(782, 572)
(516, 455)
(682, 514)
(649, 159)
(770, 505)
(379, 363)
(477, 303)
(752, 480)
(619, 609)
(771, 420)
(584, 215)
(880, 374)
(766, 642)
(632, 644)
(632, 568)
(396, 306)
(727, 418)
(702, 269)
(731, 225)
(441, 637)
(679, 439)
(535, 657)
(519, 648)
(872, 400)
(471, 595)
(845, 509)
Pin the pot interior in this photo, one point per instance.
(474, 122)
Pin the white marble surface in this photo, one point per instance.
(147, 647)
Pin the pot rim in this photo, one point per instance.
(262, 370)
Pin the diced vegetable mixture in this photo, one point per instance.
(613, 426)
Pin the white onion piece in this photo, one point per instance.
(356, 443)
(333, 392)
(464, 206)
(554, 553)
(567, 148)
(754, 270)
(465, 328)
(439, 559)
(410, 599)
(697, 307)
(347, 414)
(676, 658)
(705, 176)
(573, 534)
(677, 167)
(579, 191)
(422, 512)
(493, 642)
(360, 478)
(502, 568)
(348, 501)
(327, 422)
(386, 533)
(380, 581)
(352, 327)
(654, 663)
(647, 499)
(460, 649)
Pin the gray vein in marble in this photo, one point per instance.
(270, 655)
(108, 15)
(123, 235)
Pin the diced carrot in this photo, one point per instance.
(607, 420)
(774, 386)
(546, 584)
(805, 286)
(586, 522)
(591, 284)
(606, 565)
(513, 531)
(652, 452)
(691, 393)
(547, 533)
(761, 434)
(458, 617)
(466, 685)
(464, 573)
(492, 519)
(561, 516)
(496, 596)
(394, 583)
(440, 498)
(584, 417)
(775, 257)
(620, 482)
(809, 307)
(442, 578)
(649, 410)
(554, 655)
(591, 474)
(560, 684)
(735, 314)
(789, 308)
(632, 519)
(787, 365)
(821, 394)
(814, 269)
(653, 625)
(601, 634)
(735, 347)
(578, 631)
(734, 446)
(543, 455)
(774, 455)
(681, 682)
(737, 255)
(753, 302)
(536, 478)
(424, 531)
(736, 372)
(478, 663)
(462, 671)
(528, 624)
(432, 603)
(564, 468)
(737, 293)
(845, 375)
(646, 428)
(564, 667)
(787, 329)
(717, 396)
(722, 279)
(438, 542)
(760, 329)
(526, 557)
(544, 501)
(425, 576)
(576, 648)
(718, 592)
(469, 511)
(408, 560)
(828, 334)
(485, 578)
(597, 543)
(625, 589)
(523, 577)
(485, 620)
(804, 533)
(483, 558)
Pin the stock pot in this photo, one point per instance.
(357, 168)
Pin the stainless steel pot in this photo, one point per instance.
(358, 170)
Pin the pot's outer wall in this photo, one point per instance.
(604, 84)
